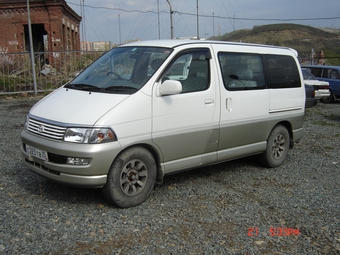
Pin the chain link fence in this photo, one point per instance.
(53, 69)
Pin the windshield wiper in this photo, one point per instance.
(119, 88)
(82, 87)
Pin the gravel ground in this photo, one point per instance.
(238, 207)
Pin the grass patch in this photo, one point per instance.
(324, 123)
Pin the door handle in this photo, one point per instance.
(228, 104)
(209, 101)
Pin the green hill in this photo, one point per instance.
(300, 37)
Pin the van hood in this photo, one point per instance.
(71, 106)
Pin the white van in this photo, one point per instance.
(147, 109)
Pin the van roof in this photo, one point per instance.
(176, 43)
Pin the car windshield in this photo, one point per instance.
(123, 70)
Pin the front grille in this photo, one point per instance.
(45, 129)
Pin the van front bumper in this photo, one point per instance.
(92, 175)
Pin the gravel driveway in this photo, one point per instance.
(238, 207)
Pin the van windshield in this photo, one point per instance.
(123, 70)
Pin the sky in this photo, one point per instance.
(120, 21)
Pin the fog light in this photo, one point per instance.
(78, 161)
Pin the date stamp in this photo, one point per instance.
(275, 231)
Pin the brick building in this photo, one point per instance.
(55, 26)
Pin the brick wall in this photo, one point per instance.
(54, 19)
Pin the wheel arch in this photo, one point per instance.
(288, 126)
(156, 155)
(331, 99)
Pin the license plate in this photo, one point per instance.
(36, 153)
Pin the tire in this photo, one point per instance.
(131, 178)
(277, 147)
(328, 100)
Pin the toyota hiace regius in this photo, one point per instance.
(147, 109)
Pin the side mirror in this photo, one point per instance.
(170, 87)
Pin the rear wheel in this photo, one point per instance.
(131, 177)
(277, 147)
(329, 99)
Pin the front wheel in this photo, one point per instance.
(131, 178)
(277, 147)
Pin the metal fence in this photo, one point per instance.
(53, 69)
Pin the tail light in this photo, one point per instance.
(324, 87)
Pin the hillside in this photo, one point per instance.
(300, 37)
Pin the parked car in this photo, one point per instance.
(330, 74)
(120, 127)
(322, 88)
(310, 96)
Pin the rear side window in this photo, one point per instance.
(323, 72)
(241, 71)
(282, 72)
(317, 72)
(331, 74)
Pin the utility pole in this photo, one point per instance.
(159, 29)
(234, 23)
(84, 21)
(82, 24)
(120, 34)
(198, 30)
(31, 48)
(213, 24)
(171, 24)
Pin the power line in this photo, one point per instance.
(257, 19)
(334, 20)
(208, 16)
(115, 9)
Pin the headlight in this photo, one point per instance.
(89, 135)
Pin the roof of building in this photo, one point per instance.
(16, 4)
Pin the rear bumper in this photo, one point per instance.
(322, 93)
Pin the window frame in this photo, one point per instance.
(194, 51)
(269, 75)
(262, 68)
